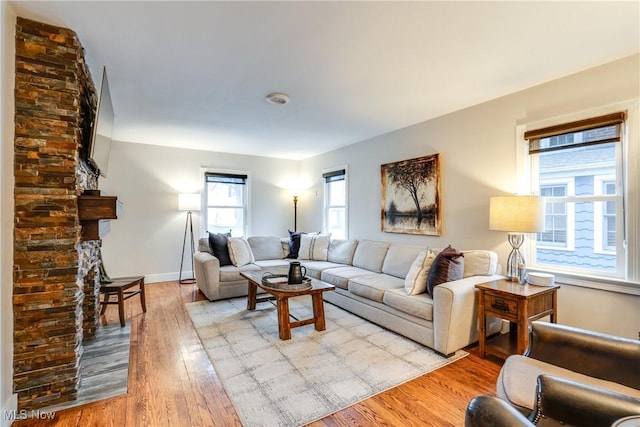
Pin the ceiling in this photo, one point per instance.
(195, 74)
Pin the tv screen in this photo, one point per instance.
(100, 145)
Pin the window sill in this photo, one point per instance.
(593, 282)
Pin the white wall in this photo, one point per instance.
(477, 147)
(147, 237)
(8, 400)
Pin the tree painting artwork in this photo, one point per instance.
(411, 196)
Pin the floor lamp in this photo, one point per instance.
(189, 203)
(295, 212)
(517, 215)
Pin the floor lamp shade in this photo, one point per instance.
(516, 215)
(188, 202)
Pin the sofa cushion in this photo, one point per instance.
(240, 251)
(399, 259)
(279, 266)
(315, 268)
(219, 248)
(266, 247)
(340, 276)
(416, 281)
(314, 246)
(373, 285)
(231, 273)
(341, 251)
(480, 263)
(447, 266)
(370, 255)
(416, 305)
(517, 380)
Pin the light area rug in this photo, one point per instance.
(314, 374)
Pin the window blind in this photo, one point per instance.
(224, 178)
(338, 175)
(596, 130)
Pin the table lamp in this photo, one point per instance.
(517, 215)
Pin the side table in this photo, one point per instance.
(119, 288)
(519, 304)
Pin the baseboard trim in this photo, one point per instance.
(166, 277)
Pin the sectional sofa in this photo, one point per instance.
(379, 281)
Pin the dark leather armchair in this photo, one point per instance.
(590, 353)
(567, 376)
(590, 358)
(558, 402)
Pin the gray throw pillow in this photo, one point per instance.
(447, 266)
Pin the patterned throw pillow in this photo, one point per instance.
(314, 246)
(240, 251)
(416, 281)
(219, 248)
(447, 266)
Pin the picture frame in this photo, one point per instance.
(411, 196)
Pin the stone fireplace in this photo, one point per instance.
(56, 276)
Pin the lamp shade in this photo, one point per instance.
(517, 214)
(188, 202)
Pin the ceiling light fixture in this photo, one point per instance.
(277, 98)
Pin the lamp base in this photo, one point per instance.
(188, 226)
(515, 257)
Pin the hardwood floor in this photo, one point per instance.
(172, 382)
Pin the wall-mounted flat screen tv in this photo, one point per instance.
(100, 145)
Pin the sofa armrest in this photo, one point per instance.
(580, 404)
(590, 353)
(455, 314)
(207, 273)
(485, 411)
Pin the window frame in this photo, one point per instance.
(570, 214)
(629, 283)
(246, 197)
(599, 214)
(327, 197)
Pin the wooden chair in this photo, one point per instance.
(119, 287)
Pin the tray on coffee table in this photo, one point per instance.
(280, 282)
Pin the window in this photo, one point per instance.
(335, 203)
(576, 166)
(555, 219)
(604, 217)
(226, 202)
(609, 219)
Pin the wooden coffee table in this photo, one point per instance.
(282, 302)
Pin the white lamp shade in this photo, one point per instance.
(188, 202)
(517, 214)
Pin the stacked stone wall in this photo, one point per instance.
(52, 82)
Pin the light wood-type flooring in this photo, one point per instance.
(172, 382)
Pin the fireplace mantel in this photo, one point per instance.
(92, 207)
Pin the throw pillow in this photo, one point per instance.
(314, 247)
(416, 281)
(240, 251)
(294, 243)
(219, 248)
(447, 266)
